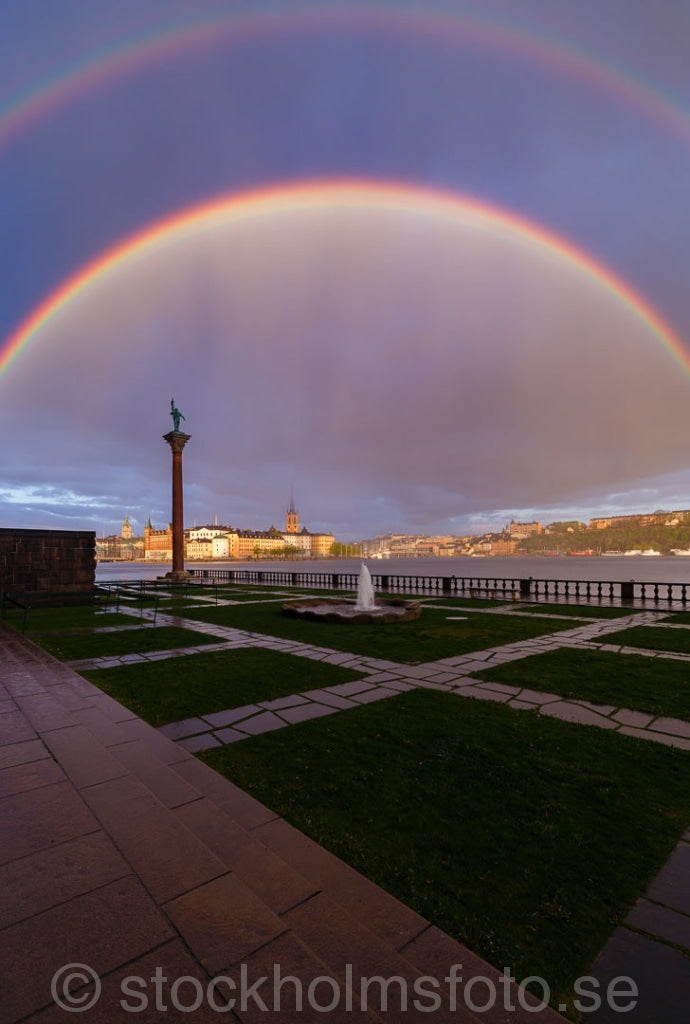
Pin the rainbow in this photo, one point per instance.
(104, 65)
(325, 194)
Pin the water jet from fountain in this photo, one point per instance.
(364, 610)
(365, 591)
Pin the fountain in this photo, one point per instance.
(365, 609)
(365, 591)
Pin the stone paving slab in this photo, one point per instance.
(637, 719)
(512, 691)
(400, 686)
(44, 711)
(599, 709)
(165, 749)
(300, 963)
(51, 876)
(442, 678)
(165, 783)
(344, 942)
(434, 954)
(380, 693)
(538, 697)
(478, 693)
(349, 689)
(168, 858)
(173, 779)
(332, 699)
(215, 938)
(103, 727)
(14, 727)
(33, 775)
(659, 972)
(568, 712)
(473, 666)
(387, 917)
(218, 719)
(673, 726)
(241, 807)
(429, 684)
(34, 819)
(672, 885)
(186, 727)
(283, 702)
(228, 735)
(22, 753)
(260, 869)
(304, 712)
(204, 741)
(664, 922)
(84, 759)
(265, 722)
(73, 932)
(170, 961)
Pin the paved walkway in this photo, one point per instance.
(122, 852)
(383, 679)
(132, 877)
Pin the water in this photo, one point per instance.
(615, 568)
(365, 591)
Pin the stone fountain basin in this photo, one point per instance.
(334, 609)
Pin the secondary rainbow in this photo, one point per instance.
(140, 52)
(324, 194)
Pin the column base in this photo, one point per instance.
(177, 576)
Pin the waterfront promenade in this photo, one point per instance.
(124, 853)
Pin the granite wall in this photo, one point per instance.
(47, 566)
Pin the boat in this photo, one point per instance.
(651, 551)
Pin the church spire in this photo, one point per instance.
(292, 521)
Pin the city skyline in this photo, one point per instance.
(420, 265)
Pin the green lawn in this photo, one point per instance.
(462, 601)
(434, 635)
(177, 688)
(654, 638)
(526, 838)
(585, 611)
(680, 618)
(95, 616)
(75, 646)
(657, 686)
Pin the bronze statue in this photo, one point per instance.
(176, 415)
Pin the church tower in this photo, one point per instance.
(126, 529)
(292, 522)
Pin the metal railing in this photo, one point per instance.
(505, 587)
(6, 599)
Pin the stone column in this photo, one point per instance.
(177, 440)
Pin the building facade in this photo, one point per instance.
(157, 543)
(203, 543)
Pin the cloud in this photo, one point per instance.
(394, 371)
(413, 368)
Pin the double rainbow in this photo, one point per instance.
(237, 28)
(140, 52)
(392, 196)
